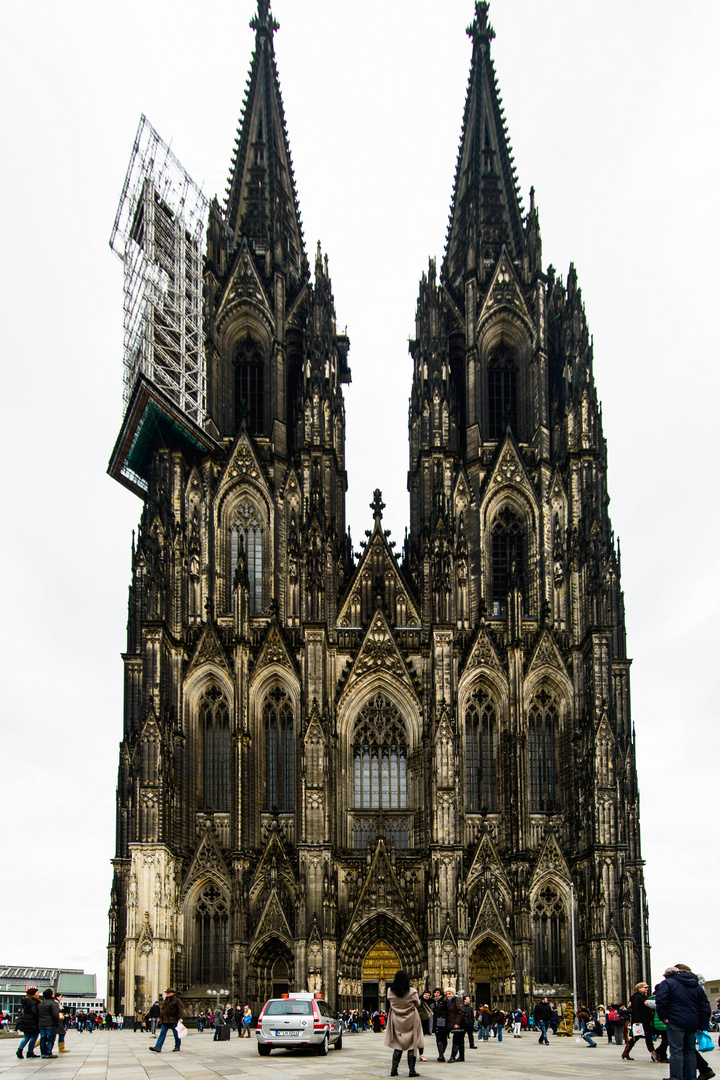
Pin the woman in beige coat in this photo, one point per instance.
(403, 1030)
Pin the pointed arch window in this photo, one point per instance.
(480, 736)
(380, 754)
(542, 732)
(246, 537)
(502, 393)
(549, 936)
(278, 722)
(214, 717)
(509, 558)
(249, 386)
(211, 937)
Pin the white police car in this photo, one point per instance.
(298, 1020)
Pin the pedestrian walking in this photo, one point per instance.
(28, 1022)
(171, 1013)
(542, 1015)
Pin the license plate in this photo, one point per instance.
(279, 1034)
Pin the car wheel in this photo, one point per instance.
(338, 1044)
(264, 1051)
(323, 1047)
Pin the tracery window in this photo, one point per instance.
(480, 735)
(211, 937)
(502, 393)
(549, 919)
(214, 722)
(509, 558)
(542, 730)
(380, 755)
(278, 721)
(246, 535)
(249, 387)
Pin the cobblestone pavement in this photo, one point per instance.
(122, 1055)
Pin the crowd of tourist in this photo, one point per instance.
(673, 1021)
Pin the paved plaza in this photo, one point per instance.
(122, 1055)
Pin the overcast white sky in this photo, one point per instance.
(612, 111)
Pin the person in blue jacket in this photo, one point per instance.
(683, 1006)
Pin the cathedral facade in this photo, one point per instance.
(335, 764)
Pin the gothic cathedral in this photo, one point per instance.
(335, 764)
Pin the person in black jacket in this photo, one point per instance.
(683, 1006)
(171, 1013)
(440, 1022)
(49, 1020)
(542, 1015)
(28, 1021)
(640, 1013)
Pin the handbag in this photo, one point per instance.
(638, 1029)
(424, 1010)
(181, 1029)
(704, 1042)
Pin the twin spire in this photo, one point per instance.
(485, 214)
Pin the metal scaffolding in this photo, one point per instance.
(159, 236)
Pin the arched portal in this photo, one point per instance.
(382, 931)
(379, 967)
(491, 974)
(271, 971)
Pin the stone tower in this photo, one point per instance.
(336, 765)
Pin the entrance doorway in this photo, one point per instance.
(379, 967)
(491, 974)
(371, 996)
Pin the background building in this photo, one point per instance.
(336, 765)
(79, 990)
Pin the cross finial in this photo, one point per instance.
(480, 26)
(377, 505)
(264, 20)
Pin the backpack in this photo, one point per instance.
(613, 1016)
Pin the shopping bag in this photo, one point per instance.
(638, 1029)
(181, 1029)
(704, 1042)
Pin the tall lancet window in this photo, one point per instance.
(480, 737)
(380, 756)
(249, 387)
(246, 535)
(549, 936)
(502, 393)
(210, 955)
(509, 558)
(542, 732)
(278, 721)
(214, 717)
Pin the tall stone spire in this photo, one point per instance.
(261, 203)
(485, 211)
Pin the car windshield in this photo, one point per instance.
(289, 1008)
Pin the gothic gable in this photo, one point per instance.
(377, 569)
(486, 864)
(482, 654)
(381, 892)
(207, 861)
(488, 920)
(274, 868)
(505, 293)
(272, 921)
(509, 469)
(547, 655)
(274, 651)
(243, 284)
(604, 732)
(243, 464)
(379, 654)
(551, 861)
(209, 650)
